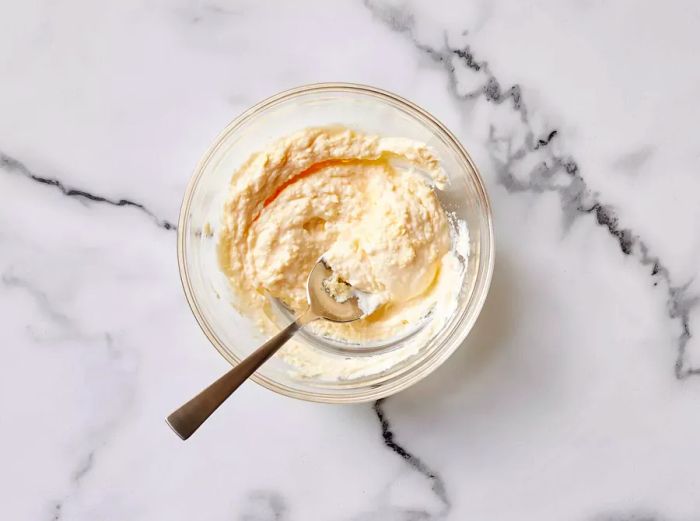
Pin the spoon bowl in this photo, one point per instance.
(336, 308)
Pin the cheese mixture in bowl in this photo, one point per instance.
(379, 189)
(365, 204)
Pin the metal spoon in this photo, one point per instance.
(187, 419)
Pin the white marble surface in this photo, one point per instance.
(574, 398)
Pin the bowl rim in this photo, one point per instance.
(365, 395)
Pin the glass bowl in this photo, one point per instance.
(372, 111)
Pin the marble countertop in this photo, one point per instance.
(577, 394)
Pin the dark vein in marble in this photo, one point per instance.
(85, 467)
(87, 464)
(543, 142)
(11, 281)
(437, 484)
(554, 173)
(12, 165)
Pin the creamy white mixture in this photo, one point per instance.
(367, 205)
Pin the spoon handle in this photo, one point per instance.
(187, 419)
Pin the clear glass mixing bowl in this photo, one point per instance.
(372, 111)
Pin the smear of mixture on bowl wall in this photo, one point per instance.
(367, 204)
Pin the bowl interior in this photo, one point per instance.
(362, 108)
